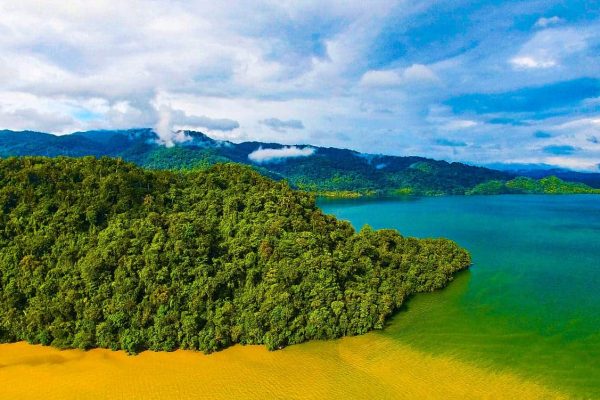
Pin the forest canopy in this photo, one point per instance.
(524, 185)
(102, 253)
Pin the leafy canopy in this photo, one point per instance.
(102, 253)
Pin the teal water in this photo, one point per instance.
(531, 301)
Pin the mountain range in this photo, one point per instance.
(324, 170)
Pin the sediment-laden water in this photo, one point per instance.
(522, 323)
(531, 302)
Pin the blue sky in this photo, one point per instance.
(482, 82)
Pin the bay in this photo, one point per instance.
(531, 301)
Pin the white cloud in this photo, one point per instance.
(415, 74)
(74, 52)
(458, 124)
(550, 47)
(578, 132)
(276, 155)
(581, 123)
(544, 22)
(381, 78)
(575, 163)
(172, 121)
(443, 120)
(32, 119)
(419, 73)
(281, 125)
(164, 128)
(529, 62)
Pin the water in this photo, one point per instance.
(521, 324)
(531, 301)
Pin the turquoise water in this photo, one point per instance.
(531, 301)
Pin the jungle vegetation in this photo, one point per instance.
(524, 185)
(102, 253)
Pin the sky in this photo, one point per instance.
(474, 81)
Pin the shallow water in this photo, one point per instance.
(365, 367)
(521, 324)
(531, 302)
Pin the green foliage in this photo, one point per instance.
(343, 171)
(176, 158)
(548, 185)
(403, 192)
(523, 185)
(345, 194)
(101, 253)
(423, 167)
(490, 187)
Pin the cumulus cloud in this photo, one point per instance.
(282, 125)
(263, 156)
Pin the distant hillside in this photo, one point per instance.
(525, 185)
(328, 171)
(538, 171)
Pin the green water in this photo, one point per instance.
(531, 301)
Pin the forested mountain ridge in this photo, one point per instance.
(327, 171)
(102, 253)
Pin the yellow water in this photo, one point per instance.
(366, 367)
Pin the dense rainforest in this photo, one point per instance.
(525, 185)
(102, 253)
(325, 171)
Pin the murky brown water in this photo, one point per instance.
(366, 367)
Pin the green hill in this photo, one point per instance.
(102, 253)
(524, 185)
